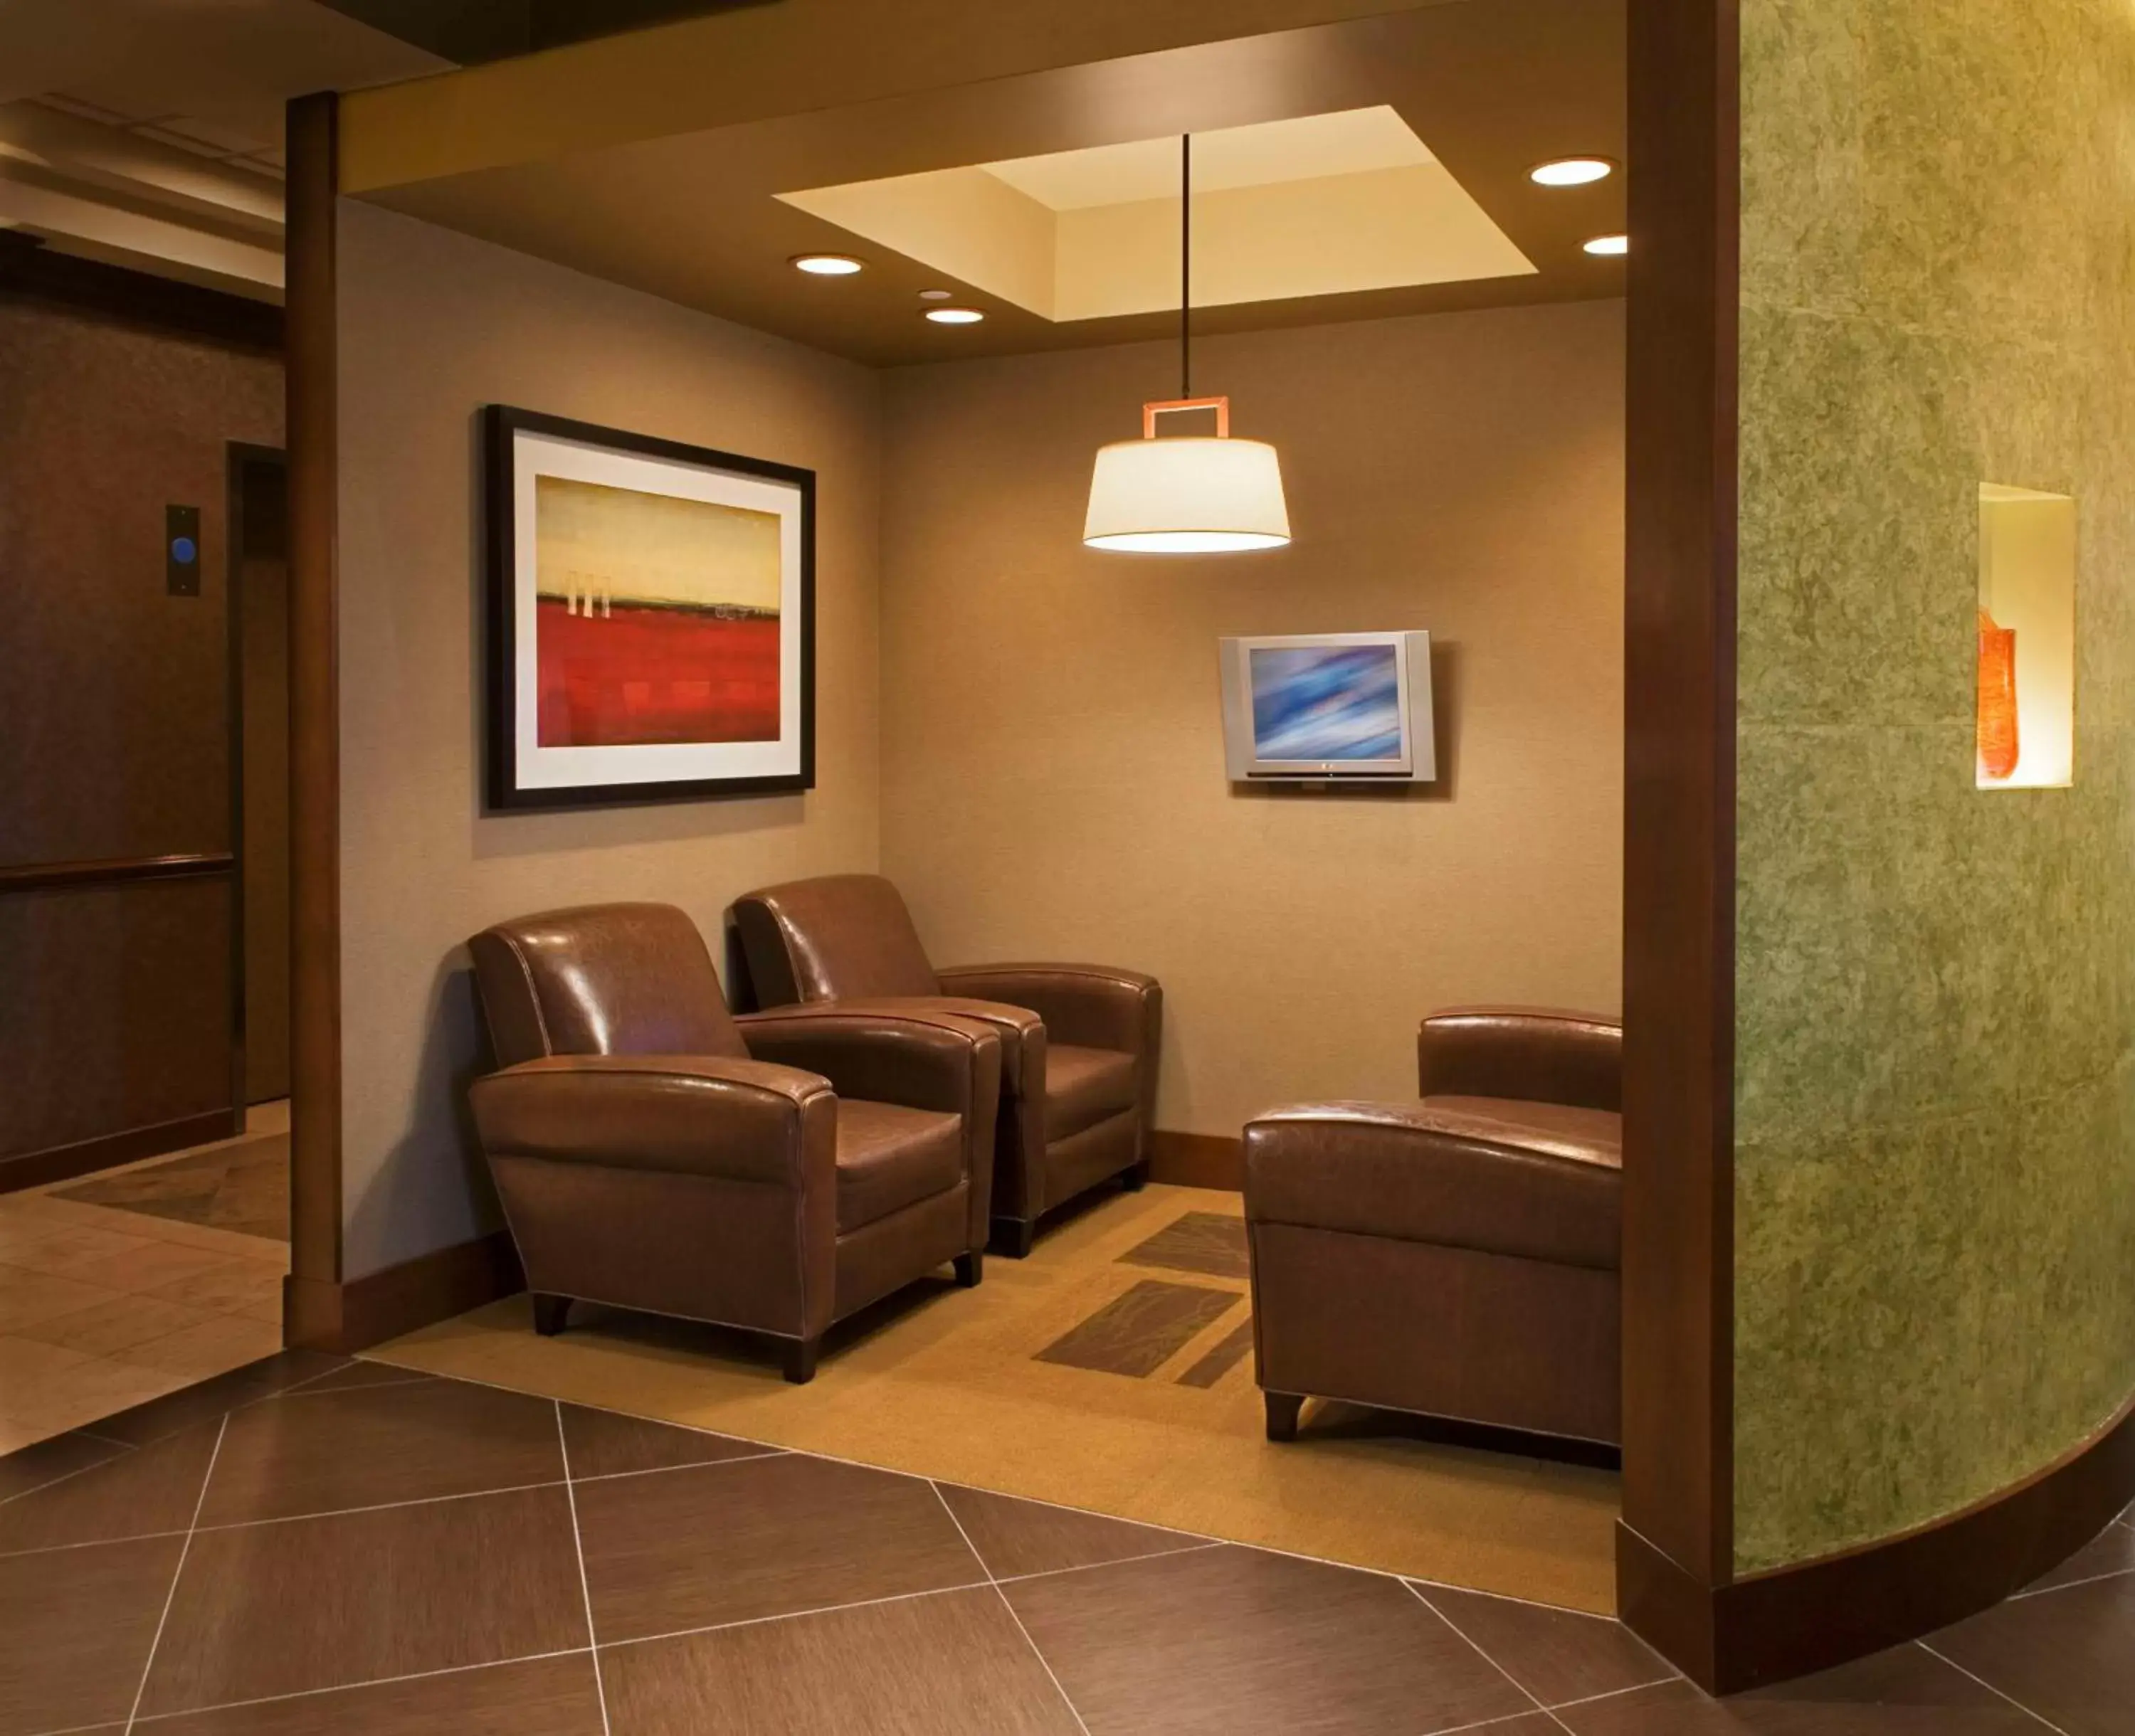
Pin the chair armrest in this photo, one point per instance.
(1537, 1053)
(1413, 1173)
(734, 1120)
(1088, 1006)
(920, 1059)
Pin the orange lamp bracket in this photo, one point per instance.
(1164, 407)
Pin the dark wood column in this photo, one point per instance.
(313, 1312)
(1676, 1542)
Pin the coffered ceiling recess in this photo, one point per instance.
(1320, 204)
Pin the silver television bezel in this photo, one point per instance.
(1418, 765)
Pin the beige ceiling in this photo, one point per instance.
(149, 132)
(1485, 89)
(1320, 204)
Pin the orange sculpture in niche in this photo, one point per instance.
(1997, 698)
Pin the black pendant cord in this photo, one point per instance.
(1185, 265)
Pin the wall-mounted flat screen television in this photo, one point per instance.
(1318, 706)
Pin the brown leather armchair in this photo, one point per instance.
(1079, 1042)
(774, 1172)
(1457, 1256)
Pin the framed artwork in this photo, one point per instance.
(652, 617)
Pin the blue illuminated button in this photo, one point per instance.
(183, 552)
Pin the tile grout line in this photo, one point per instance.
(375, 1681)
(2047, 1591)
(1091, 1567)
(1990, 1687)
(70, 1475)
(1044, 1662)
(791, 1615)
(1588, 1699)
(578, 1550)
(171, 1597)
(1518, 1686)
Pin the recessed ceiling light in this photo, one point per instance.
(827, 265)
(1571, 172)
(955, 316)
(1609, 246)
(937, 295)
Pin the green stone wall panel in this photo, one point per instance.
(1935, 1024)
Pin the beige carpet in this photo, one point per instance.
(1111, 1370)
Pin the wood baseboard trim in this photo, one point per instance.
(1772, 1627)
(360, 1311)
(1198, 1160)
(63, 1162)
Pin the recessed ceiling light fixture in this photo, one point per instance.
(938, 295)
(955, 316)
(1571, 172)
(827, 265)
(1608, 246)
(1191, 494)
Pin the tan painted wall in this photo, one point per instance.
(1052, 753)
(433, 326)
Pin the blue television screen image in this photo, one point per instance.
(1326, 702)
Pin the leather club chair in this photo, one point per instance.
(1457, 1256)
(1079, 1042)
(774, 1172)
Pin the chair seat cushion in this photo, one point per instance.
(1532, 1180)
(889, 1158)
(1084, 1087)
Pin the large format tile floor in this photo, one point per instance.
(140, 1280)
(322, 1548)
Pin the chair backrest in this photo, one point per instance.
(1540, 1054)
(837, 938)
(601, 979)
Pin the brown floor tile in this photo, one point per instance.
(1137, 1332)
(209, 1399)
(549, 1696)
(2068, 1655)
(244, 1186)
(759, 1537)
(2111, 1551)
(327, 1452)
(208, 1348)
(235, 1287)
(1014, 1536)
(26, 1297)
(64, 1455)
(1555, 1655)
(605, 1444)
(1900, 1693)
(75, 1629)
(139, 1494)
(149, 1267)
(1199, 1242)
(950, 1665)
(282, 1609)
(1229, 1640)
(362, 1374)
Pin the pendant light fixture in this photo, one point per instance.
(1187, 495)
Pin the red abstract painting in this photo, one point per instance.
(656, 619)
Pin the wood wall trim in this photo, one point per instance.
(352, 1316)
(315, 1119)
(31, 272)
(1769, 1627)
(63, 1162)
(1198, 1160)
(37, 876)
(1679, 818)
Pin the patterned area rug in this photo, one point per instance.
(243, 1187)
(1111, 1370)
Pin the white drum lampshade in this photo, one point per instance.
(1186, 496)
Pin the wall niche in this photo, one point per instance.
(2026, 667)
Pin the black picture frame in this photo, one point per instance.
(502, 791)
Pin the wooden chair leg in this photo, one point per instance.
(1282, 1410)
(970, 1269)
(1013, 1236)
(550, 1314)
(800, 1360)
